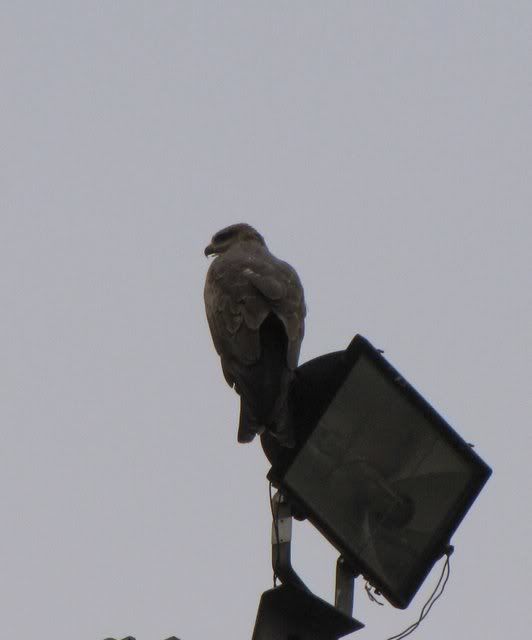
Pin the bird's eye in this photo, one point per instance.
(223, 236)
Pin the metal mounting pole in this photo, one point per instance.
(281, 543)
(291, 610)
(345, 587)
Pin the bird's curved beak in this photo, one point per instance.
(209, 250)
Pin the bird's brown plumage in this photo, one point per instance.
(255, 308)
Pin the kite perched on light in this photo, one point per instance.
(256, 312)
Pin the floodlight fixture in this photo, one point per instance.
(376, 469)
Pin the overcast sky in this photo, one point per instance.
(384, 149)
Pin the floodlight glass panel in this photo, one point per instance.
(384, 478)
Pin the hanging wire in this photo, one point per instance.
(370, 595)
(434, 596)
(275, 519)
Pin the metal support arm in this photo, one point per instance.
(345, 587)
(281, 543)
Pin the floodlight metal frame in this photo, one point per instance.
(339, 366)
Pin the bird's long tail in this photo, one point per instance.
(264, 388)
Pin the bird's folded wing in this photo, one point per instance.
(239, 299)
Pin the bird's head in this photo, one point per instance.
(229, 236)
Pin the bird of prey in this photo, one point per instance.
(256, 312)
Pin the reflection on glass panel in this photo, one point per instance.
(377, 473)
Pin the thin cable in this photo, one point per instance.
(370, 595)
(434, 596)
(427, 606)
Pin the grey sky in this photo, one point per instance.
(382, 148)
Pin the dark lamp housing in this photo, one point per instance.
(376, 469)
(288, 612)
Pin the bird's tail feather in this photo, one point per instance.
(248, 427)
(264, 388)
(281, 427)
